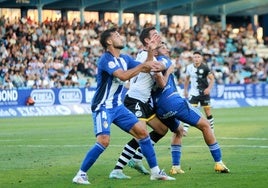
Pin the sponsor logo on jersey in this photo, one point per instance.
(111, 64)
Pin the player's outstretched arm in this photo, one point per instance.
(126, 75)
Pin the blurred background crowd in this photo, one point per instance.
(59, 54)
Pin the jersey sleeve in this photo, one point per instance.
(207, 70)
(165, 61)
(131, 62)
(187, 71)
(142, 56)
(108, 64)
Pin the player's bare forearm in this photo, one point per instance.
(126, 75)
(160, 80)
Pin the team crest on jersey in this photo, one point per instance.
(138, 113)
(201, 71)
(111, 64)
(105, 124)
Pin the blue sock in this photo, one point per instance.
(92, 156)
(176, 154)
(215, 151)
(148, 151)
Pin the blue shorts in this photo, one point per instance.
(172, 123)
(178, 108)
(120, 116)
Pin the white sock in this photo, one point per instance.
(136, 160)
(185, 128)
(81, 172)
(155, 170)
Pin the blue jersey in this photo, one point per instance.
(162, 93)
(109, 88)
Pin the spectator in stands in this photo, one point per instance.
(57, 41)
(88, 83)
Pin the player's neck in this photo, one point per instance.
(146, 48)
(114, 51)
(197, 64)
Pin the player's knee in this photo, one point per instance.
(104, 140)
(105, 143)
(142, 133)
(203, 124)
(139, 131)
(179, 131)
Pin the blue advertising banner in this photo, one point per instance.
(67, 101)
(46, 97)
(235, 91)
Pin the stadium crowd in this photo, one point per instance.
(58, 54)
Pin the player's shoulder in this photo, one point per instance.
(190, 66)
(204, 65)
(142, 53)
(162, 57)
(105, 56)
(125, 55)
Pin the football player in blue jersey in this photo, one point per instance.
(172, 121)
(170, 105)
(107, 107)
(171, 108)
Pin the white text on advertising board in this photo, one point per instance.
(70, 96)
(43, 97)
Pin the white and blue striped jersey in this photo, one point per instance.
(109, 88)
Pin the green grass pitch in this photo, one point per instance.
(42, 152)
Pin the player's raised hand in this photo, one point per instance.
(154, 42)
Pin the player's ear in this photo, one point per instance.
(109, 42)
(147, 40)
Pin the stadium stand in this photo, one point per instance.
(61, 53)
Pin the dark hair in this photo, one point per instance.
(145, 34)
(105, 35)
(197, 52)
